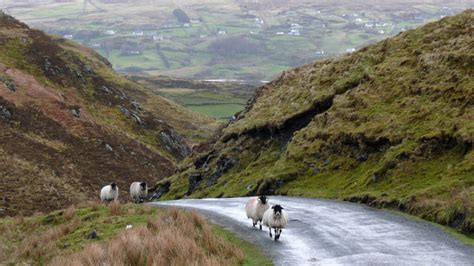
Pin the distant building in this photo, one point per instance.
(110, 32)
(68, 36)
(158, 37)
(320, 52)
(221, 32)
(350, 50)
(187, 25)
(138, 33)
(280, 33)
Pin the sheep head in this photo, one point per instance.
(143, 186)
(277, 209)
(263, 199)
(114, 186)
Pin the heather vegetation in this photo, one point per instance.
(69, 124)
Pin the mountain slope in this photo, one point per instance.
(391, 125)
(69, 123)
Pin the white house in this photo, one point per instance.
(68, 36)
(110, 32)
(138, 33)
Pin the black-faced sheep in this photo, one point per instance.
(255, 208)
(138, 191)
(109, 192)
(275, 218)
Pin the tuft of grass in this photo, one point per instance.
(157, 237)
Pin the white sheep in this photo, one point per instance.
(109, 192)
(255, 208)
(275, 218)
(138, 191)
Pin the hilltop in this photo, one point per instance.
(69, 124)
(391, 125)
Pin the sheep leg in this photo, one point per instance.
(270, 229)
(276, 235)
(254, 223)
(279, 233)
(261, 225)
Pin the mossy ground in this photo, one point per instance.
(398, 132)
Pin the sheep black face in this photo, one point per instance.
(277, 209)
(143, 186)
(263, 199)
(114, 186)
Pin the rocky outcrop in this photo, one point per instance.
(174, 143)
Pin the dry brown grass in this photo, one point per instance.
(173, 237)
(115, 208)
(41, 245)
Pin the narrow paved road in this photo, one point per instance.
(323, 232)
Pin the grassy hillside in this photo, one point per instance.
(391, 125)
(156, 236)
(69, 124)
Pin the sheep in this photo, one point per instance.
(255, 208)
(275, 218)
(109, 192)
(138, 191)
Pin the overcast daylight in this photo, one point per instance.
(236, 132)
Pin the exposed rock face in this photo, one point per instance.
(5, 113)
(174, 143)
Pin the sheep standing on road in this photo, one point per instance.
(275, 218)
(255, 208)
(138, 191)
(109, 192)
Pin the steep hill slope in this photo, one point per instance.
(391, 125)
(68, 124)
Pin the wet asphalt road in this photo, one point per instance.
(324, 232)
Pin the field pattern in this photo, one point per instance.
(225, 39)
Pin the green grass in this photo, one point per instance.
(395, 133)
(253, 256)
(217, 110)
(19, 235)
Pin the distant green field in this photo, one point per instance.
(217, 110)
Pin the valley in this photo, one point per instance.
(231, 39)
(332, 109)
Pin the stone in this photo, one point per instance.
(76, 112)
(93, 235)
(108, 147)
(5, 113)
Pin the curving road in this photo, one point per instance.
(324, 232)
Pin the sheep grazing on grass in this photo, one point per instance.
(138, 191)
(255, 208)
(275, 218)
(109, 192)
